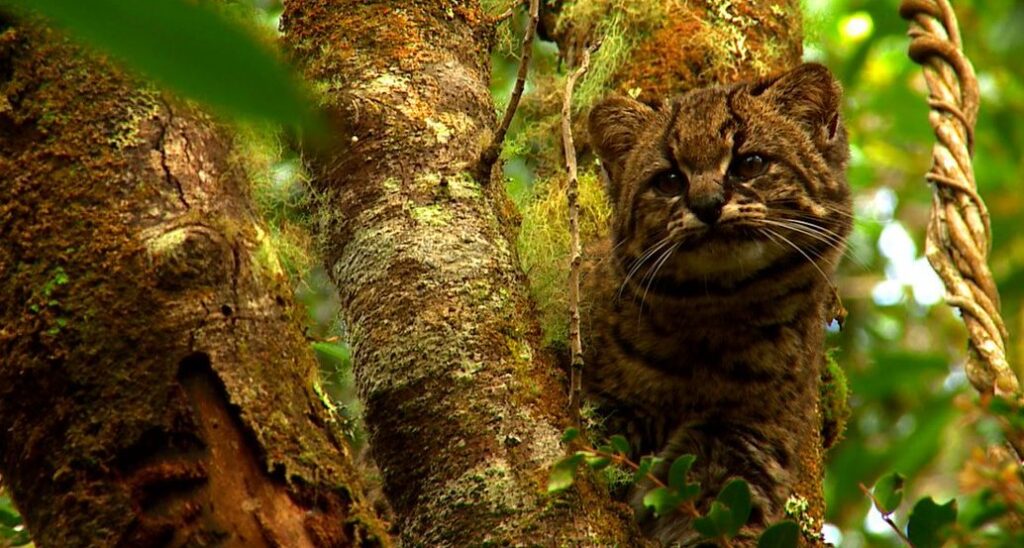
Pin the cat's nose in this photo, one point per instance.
(707, 207)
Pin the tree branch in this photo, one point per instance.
(493, 151)
(576, 259)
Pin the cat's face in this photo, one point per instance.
(723, 182)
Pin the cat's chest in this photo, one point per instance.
(695, 367)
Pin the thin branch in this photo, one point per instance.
(502, 17)
(572, 194)
(490, 155)
(886, 517)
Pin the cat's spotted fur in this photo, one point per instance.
(707, 309)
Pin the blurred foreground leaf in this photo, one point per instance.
(563, 473)
(784, 534)
(889, 492)
(189, 48)
(928, 521)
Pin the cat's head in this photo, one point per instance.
(727, 180)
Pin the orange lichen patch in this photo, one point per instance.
(673, 58)
(715, 43)
(329, 41)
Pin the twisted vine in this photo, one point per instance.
(959, 232)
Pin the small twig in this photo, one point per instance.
(572, 194)
(500, 18)
(885, 517)
(491, 153)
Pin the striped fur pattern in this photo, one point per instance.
(706, 311)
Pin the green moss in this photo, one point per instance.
(620, 27)
(280, 189)
(57, 279)
(433, 214)
(835, 405)
(544, 245)
(143, 106)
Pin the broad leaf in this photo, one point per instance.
(598, 463)
(620, 444)
(188, 47)
(928, 521)
(677, 472)
(888, 492)
(716, 523)
(646, 464)
(563, 473)
(736, 496)
(570, 434)
(661, 500)
(333, 351)
(784, 534)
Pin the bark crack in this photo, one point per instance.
(165, 128)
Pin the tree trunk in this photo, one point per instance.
(154, 381)
(463, 407)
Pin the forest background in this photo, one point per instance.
(903, 350)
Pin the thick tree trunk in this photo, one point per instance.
(154, 382)
(464, 409)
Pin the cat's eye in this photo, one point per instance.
(669, 183)
(747, 166)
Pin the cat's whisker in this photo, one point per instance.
(639, 262)
(665, 256)
(809, 231)
(824, 277)
(821, 234)
(827, 207)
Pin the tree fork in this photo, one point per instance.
(154, 380)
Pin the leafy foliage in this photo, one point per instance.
(929, 521)
(728, 513)
(12, 529)
(189, 47)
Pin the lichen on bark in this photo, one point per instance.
(463, 407)
(154, 381)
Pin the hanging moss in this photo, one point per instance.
(544, 245)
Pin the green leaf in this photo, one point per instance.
(620, 444)
(570, 434)
(9, 517)
(928, 521)
(784, 534)
(646, 464)
(563, 473)
(661, 500)
(598, 463)
(677, 472)
(333, 351)
(189, 47)
(736, 496)
(716, 523)
(690, 491)
(888, 492)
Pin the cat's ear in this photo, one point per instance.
(614, 126)
(811, 95)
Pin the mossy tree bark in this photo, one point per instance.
(695, 44)
(155, 386)
(463, 407)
